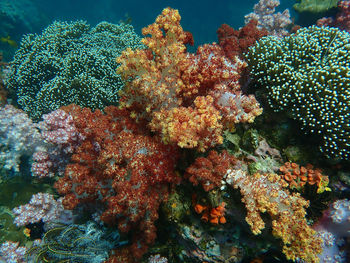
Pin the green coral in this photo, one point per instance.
(69, 63)
(307, 75)
(315, 6)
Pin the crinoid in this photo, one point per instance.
(75, 243)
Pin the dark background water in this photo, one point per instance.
(201, 18)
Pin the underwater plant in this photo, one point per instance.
(75, 243)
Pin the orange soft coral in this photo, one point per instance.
(267, 193)
(197, 127)
(210, 171)
(175, 91)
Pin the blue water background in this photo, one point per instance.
(201, 18)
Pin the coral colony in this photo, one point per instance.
(150, 153)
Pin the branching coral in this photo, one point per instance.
(169, 86)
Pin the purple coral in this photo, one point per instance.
(58, 128)
(275, 23)
(18, 136)
(42, 206)
(62, 138)
(11, 252)
(157, 259)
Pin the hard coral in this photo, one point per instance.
(297, 176)
(69, 63)
(169, 86)
(307, 76)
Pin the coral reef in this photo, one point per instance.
(342, 19)
(69, 63)
(187, 98)
(236, 42)
(266, 193)
(307, 75)
(118, 166)
(275, 23)
(181, 170)
(18, 137)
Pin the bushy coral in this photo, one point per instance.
(209, 171)
(236, 42)
(266, 193)
(42, 206)
(69, 63)
(119, 165)
(187, 98)
(342, 19)
(307, 75)
(275, 23)
(18, 137)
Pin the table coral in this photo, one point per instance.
(170, 86)
(307, 76)
(69, 63)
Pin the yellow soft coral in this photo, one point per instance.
(197, 127)
(267, 193)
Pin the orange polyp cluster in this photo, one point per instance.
(297, 176)
(188, 99)
(214, 215)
